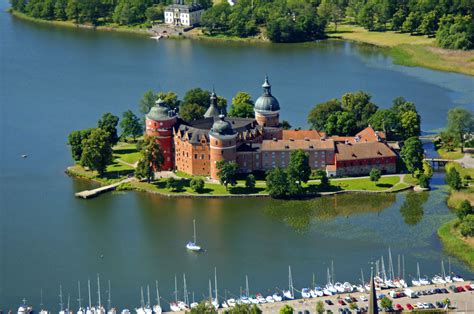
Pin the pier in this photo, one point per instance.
(437, 163)
(95, 192)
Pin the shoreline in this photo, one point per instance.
(423, 55)
(148, 188)
(454, 245)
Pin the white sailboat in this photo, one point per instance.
(110, 309)
(192, 245)
(215, 302)
(89, 309)
(81, 310)
(417, 281)
(194, 303)
(184, 305)
(42, 310)
(174, 305)
(24, 308)
(99, 309)
(289, 294)
(157, 308)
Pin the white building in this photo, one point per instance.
(180, 14)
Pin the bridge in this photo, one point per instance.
(92, 193)
(437, 163)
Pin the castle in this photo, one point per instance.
(260, 144)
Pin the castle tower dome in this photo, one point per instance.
(159, 123)
(223, 144)
(213, 110)
(267, 107)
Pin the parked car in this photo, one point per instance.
(328, 302)
(363, 298)
(468, 287)
(398, 307)
(341, 302)
(443, 290)
(431, 306)
(348, 299)
(409, 306)
(439, 305)
(453, 289)
(460, 289)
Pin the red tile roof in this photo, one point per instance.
(302, 134)
(368, 150)
(271, 145)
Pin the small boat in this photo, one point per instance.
(174, 307)
(339, 287)
(231, 302)
(183, 306)
(317, 292)
(253, 299)
(360, 288)
(277, 297)
(457, 278)
(24, 156)
(24, 308)
(42, 311)
(245, 300)
(289, 294)
(270, 299)
(347, 287)
(157, 308)
(260, 298)
(305, 293)
(191, 245)
(125, 311)
(438, 280)
(156, 37)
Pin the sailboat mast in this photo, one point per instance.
(89, 290)
(185, 290)
(449, 266)
(79, 294)
(362, 276)
(290, 281)
(418, 270)
(68, 299)
(443, 272)
(314, 284)
(142, 300)
(148, 295)
(175, 289)
(194, 224)
(98, 290)
(391, 272)
(384, 274)
(399, 268)
(403, 267)
(247, 285)
(215, 283)
(329, 277)
(210, 291)
(41, 296)
(61, 297)
(109, 301)
(157, 294)
(333, 278)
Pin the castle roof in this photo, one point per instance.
(222, 127)
(365, 150)
(213, 110)
(267, 102)
(302, 134)
(159, 111)
(283, 145)
(366, 135)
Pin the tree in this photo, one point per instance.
(148, 100)
(198, 97)
(467, 226)
(72, 10)
(412, 154)
(277, 182)
(341, 123)
(320, 307)
(216, 19)
(155, 13)
(412, 22)
(330, 10)
(197, 184)
(285, 125)
(227, 172)
(385, 120)
(429, 23)
(298, 168)
(410, 124)
(360, 106)
(151, 158)
(453, 179)
(423, 181)
(242, 106)
(464, 209)
(250, 181)
(324, 179)
(375, 174)
(76, 140)
(320, 113)
(286, 309)
(170, 99)
(97, 151)
(427, 169)
(245, 309)
(460, 123)
(108, 123)
(386, 303)
(130, 125)
(174, 185)
(190, 112)
(455, 32)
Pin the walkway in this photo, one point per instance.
(92, 193)
(467, 161)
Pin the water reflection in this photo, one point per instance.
(412, 209)
(298, 214)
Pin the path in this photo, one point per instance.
(467, 161)
(92, 193)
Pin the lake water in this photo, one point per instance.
(56, 80)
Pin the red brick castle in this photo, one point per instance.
(260, 144)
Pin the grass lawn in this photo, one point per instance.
(410, 50)
(127, 152)
(114, 173)
(454, 244)
(365, 184)
(456, 154)
(410, 180)
(456, 197)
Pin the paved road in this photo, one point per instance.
(467, 161)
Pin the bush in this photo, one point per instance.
(453, 179)
(423, 181)
(464, 209)
(286, 309)
(197, 184)
(173, 184)
(375, 174)
(467, 226)
(250, 181)
(386, 302)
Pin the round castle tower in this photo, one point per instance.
(223, 141)
(267, 108)
(159, 124)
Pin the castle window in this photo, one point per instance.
(202, 156)
(195, 156)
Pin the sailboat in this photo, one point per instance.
(289, 294)
(174, 305)
(148, 309)
(184, 305)
(111, 310)
(192, 245)
(61, 304)
(244, 297)
(99, 309)
(42, 310)
(141, 309)
(157, 308)
(417, 281)
(79, 300)
(215, 302)
(89, 309)
(24, 309)
(194, 303)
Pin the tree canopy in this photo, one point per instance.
(227, 172)
(131, 125)
(97, 151)
(242, 106)
(109, 123)
(412, 154)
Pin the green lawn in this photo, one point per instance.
(114, 173)
(365, 184)
(456, 154)
(127, 152)
(453, 243)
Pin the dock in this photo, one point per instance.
(95, 192)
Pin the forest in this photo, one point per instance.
(450, 21)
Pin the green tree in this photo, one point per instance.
(108, 123)
(298, 168)
(423, 181)
(460, 123)
(375, 174)
(155, 13)
(170, 99)
(285, 125)
(453, 179)
(97, 151)
(245, 309)
(386, 303)
(190, 112)
(412, 154)
(144, 170)
(151, 158)
(250, 181)
(72, 10)
(242, 106)
(130, 125)
(216, 19)
(76, 140)
(277, 183)
(427, 169)
(385, 120)
(203, 308)
(467, 226)
(455, 32)
(410, 124)
(286, 309)
(198, 97)
(320, 113)
(411, 23)
(331, 10)
(464, 209)
(324, 179)
(429, 23)
(320, 307)
(197, 184)
(148, 100)
(341, 123)
(174, 185)
(359, 104)
(227, 172)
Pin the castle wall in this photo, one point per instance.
(163, 132)
(221, 149)
(363, 166)
(193, 159)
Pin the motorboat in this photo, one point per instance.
(192, 245)
(253, 299)
(288, 295)
(245, 300)
(360, 288)
(193, 305)
(305, 293)
(327, 292)
(425, 281)
(415, 282)
(347, 287)
(269, 299)
(277, 297)
(24, 309)
(174, 307)
(260, 298)
(316, 292)
(231, 302)
(125, 311)
(339, 287)
(438, 280)
(182, 305)
(457, 278)
(331, 288)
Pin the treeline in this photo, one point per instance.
(451, 21)
(283, 20)
(97, 12)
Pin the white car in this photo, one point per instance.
(363, 298)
